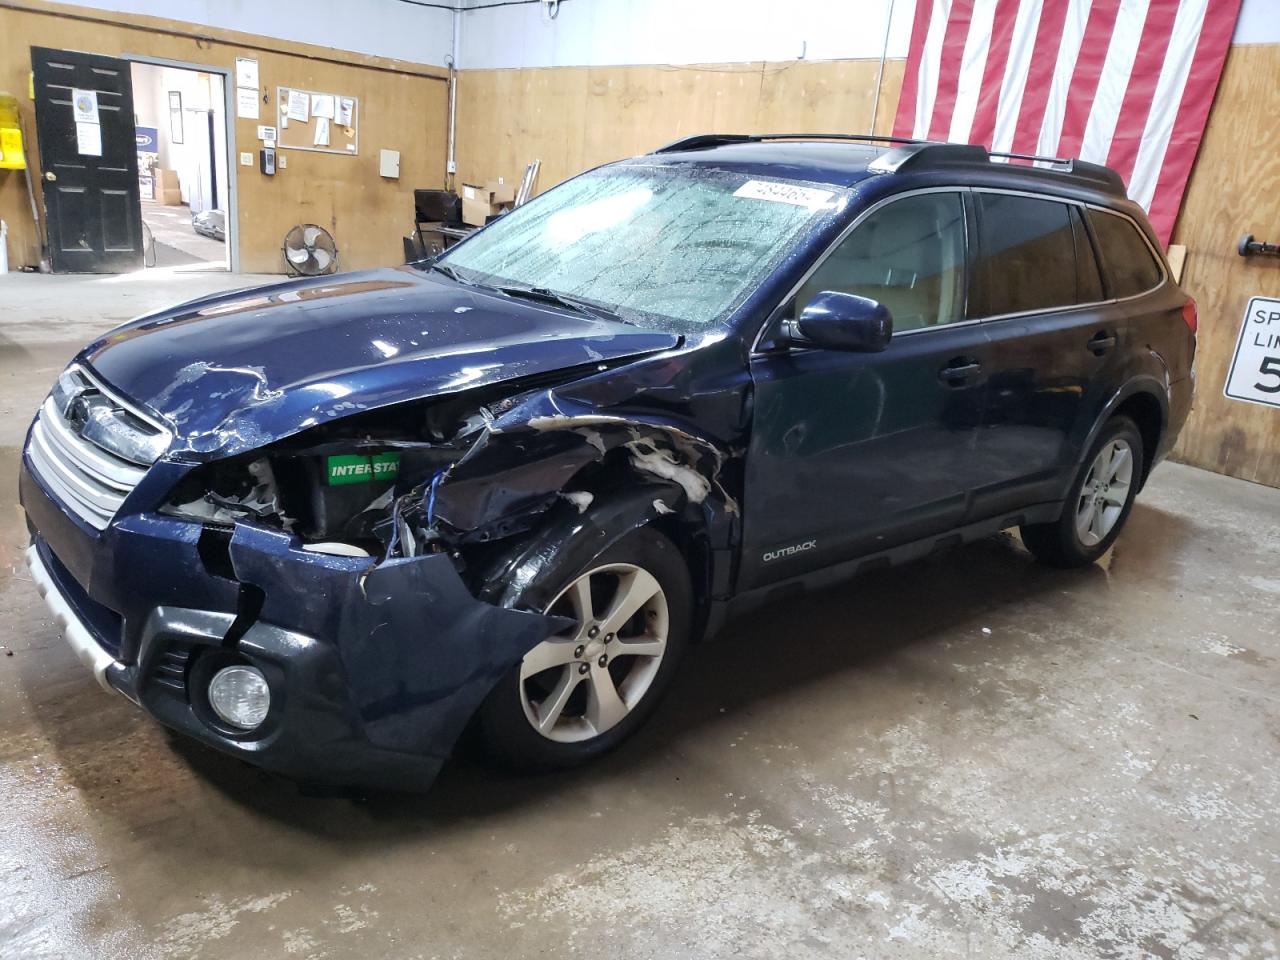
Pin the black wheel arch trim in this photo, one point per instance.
(1135, 386)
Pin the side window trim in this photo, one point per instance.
(1083, 211)
(1080, 227)
(770, 326)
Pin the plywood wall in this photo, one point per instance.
(1234, 189)
(573, 118)
(403, 107)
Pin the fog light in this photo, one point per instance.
(240, 696)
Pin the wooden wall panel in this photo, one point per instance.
(1234, 189)
(403, 107)
(573, 118)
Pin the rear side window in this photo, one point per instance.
(909, 255)
(1027, 258)
(1130, 267)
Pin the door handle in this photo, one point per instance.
(50, 175)
(1101, 343)
(959, 369)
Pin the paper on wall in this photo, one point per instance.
(299, 106)
(247, 103)
(346, 107)
(85, 105)
(246, 72)
(88, 139)
(322, 132)
(322, 105)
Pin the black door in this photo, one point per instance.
(90, 168)
(854, 453)
(1054, 343)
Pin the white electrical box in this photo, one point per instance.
(389, 164)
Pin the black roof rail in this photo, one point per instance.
(918, 155)
(702, 141)
(950, 156)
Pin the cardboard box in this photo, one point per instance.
(482, 201)
(501, 193)
(167, 189)
(477, 212)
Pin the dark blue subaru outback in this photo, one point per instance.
(327, 525)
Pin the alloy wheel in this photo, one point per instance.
(1104, 493)
(584, 681)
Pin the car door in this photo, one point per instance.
(1054, 344)
(89, 159)
(853, 453)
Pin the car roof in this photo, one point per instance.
(845, 160)
(838, 164)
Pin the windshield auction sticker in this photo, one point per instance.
(784, 193)
(1255, 368)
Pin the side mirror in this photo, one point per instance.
(842, 321)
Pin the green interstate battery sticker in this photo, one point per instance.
(357, 468)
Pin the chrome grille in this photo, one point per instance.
(89, 479)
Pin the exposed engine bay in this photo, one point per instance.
(457, 474)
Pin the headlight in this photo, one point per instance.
(240, 696)
(116, 430)
(68, 387)
(105, 421)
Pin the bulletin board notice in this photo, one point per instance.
(316, 121)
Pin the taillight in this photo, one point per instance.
(1190, 315)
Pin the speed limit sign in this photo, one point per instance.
(1255, 369)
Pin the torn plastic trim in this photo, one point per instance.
(524, 580)
(524, 461)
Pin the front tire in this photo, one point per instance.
(1099, 503)
(580, 693)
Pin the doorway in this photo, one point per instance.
(184, 165)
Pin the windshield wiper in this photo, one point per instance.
(543, 295)
(453, 274)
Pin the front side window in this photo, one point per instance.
(662, 247)
(1027, 256)
(909, 255)
(1131, 269)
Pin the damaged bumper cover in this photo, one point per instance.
(374, 670)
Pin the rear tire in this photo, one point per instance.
(579, 694)
(1099, 502)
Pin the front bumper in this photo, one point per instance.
(74, 631)
(374, 669)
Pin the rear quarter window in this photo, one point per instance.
(1127, 260)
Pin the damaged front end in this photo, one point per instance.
(370, 569)
(462, 476)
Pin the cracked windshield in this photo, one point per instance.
(659, 247)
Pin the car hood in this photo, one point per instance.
(233, 371)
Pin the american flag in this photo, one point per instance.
(1127, 83)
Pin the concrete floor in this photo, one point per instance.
(970, 757)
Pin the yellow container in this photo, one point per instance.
(11, 155)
